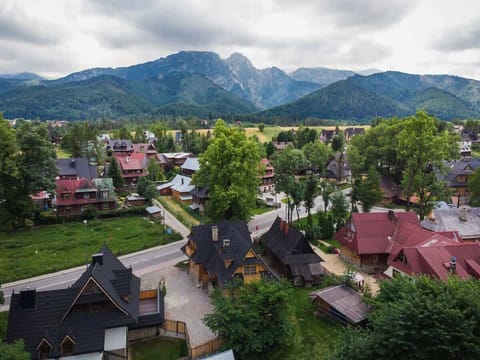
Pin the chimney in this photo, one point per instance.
(463, 214)
(97, 259)
(392, 216)
(453, 264)
(281, 225)
(214, 233)
(127, 159)
(28, 298)
(286, 227)
(182, 180)
(72, 163)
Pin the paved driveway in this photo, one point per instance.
(184, 301)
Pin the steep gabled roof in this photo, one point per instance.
(78, 167)
(465, 166)
(434, 259)
(374, 231)
(191, 164)
(213, 254)
(288, 244)
(53, 317)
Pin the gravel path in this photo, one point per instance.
(184, 301)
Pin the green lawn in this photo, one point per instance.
(62, 154)
(51, 248)
(313, 338)
(159, 349)
(176, 210)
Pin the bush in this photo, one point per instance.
(90, 213)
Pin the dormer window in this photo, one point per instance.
(226, 242)
(66, 347)
(44, 349)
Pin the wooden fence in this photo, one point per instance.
(206, 348)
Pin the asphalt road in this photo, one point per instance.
(141, 262)
(147, 260)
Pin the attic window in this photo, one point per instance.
(226, 242)
(249, 270)
(44, 350)
(66, 347)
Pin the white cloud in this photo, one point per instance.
(54, 38)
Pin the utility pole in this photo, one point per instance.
(86, 241)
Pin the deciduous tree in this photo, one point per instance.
(419, 318)
(230, 168)
(253, 318)
(318, 154)
(368, 190)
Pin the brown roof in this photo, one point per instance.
(344, 300)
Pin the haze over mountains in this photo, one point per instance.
(203, 84)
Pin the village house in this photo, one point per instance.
(267, 178)
(133, 167)
(436, 257)
(176, 159)
(199, 198)
(75, 169)
(121, 147)
(338, 170)
(464, 220)
(179, 188)
(368, 239)
(390, 190)
(190, 166)
(457, 176)
(145, 148)
(91, 319)
(222, 251)
(292, 254)
(73, 196)
(352, 131)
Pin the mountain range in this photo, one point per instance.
(203, 84)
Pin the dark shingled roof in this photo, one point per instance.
(55, 315)
(213, 254)
(292, 249)
(78, 167)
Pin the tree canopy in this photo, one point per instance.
(27, 166)
(253, 318)
(412, 150)
(230, 168)
(419, 318)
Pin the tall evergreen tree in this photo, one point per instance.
(115, 173)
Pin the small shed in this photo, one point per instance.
(154, 212)
(135, 200)
(342, 304)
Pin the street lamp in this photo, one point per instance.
(86, 241)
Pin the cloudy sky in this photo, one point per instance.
(57, 37)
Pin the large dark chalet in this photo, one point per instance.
(88, 320)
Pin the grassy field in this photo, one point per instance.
(176, 210)
(62, 154)
(159, 349)
(52, 248)
(314, 338)
(270, 131)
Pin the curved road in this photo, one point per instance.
(145, 261)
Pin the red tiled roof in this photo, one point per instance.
(71, 187)
(374, 231)
(434, 260)
(135, 161)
